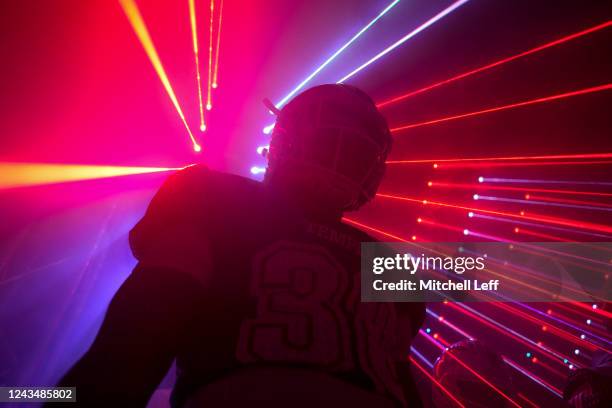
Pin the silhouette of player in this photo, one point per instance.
(254, 288)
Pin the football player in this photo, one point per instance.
(254, 288)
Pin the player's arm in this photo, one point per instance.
(149, 317)
(143, 329)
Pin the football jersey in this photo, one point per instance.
(280, 287)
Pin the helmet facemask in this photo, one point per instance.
(330, 143)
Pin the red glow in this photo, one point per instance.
(505, 107)
(497, 63)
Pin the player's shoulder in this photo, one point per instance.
(194, 198)
(199, 177)
(201, 187)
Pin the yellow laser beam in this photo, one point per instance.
(138, 25)
(194, 35)
(210, 53)
(15, 174)
(215, 83)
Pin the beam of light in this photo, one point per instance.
(529, 374)
(434, 381)
(531, 181)
(13, 174)
(467, 186)
(497, 63)
(210, 55)
(449, 324)
(263, 149)
(444, 166)
(354, 38)
(376, 230)
(505, 330)
(540, 235)
(532, 217)
(268, 129)
(564, 322)
(421, 357)
(138, 25)
(534, 202)
(194, 36)
(507, 158)
(539, 322)
(505, 107)
(405, 38)
(527, 400)
(258, 170)
(565, 200)
(215, 82)
(533, 224)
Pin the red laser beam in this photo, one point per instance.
(540, 235)
(436, 382)
(536, 217)
(505, 107)
(497, 63)
(376, 230)
(471, 370)
(565, 201)
(480, 186)
(507, 158)
(443, 166)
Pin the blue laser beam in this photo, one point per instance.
(405, 38)
(335, 54)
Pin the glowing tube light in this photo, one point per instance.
(405, 38)
(505, 107)
(138, 25)
(335, 54)
(497, 63)
(14, 175)
(194, 36)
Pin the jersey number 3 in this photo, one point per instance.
(300, 319)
